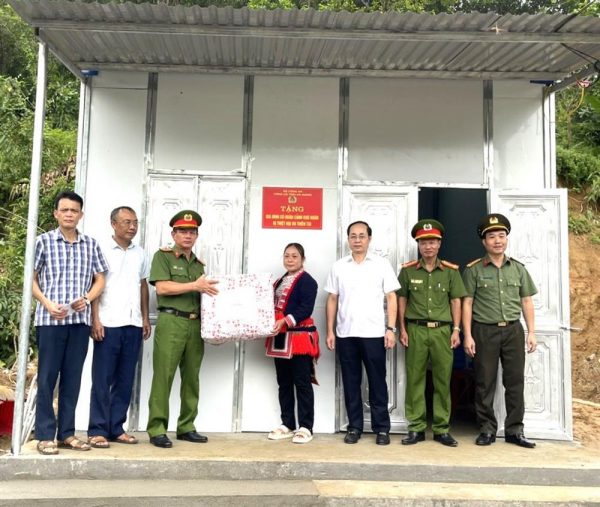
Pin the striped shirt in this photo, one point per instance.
(65, 273)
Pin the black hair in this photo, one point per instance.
(115, 212)
(369, 230)
(297, 246)
(67, 194)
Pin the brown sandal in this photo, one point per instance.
(99, 442)
(74, 444)
(47, 447)
(124, 438)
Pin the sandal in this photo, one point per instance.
(281, 433)
(47, 447)
(302, 436)
(99, 442)
(74, 444)
(124, 438)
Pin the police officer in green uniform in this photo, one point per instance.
(430, 310)
(498, 289)
(179, 278)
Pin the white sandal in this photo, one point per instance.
(281, 433)
(302, 436)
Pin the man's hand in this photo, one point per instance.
(278, 325)
(390, 339)
(531, 343)
(97, 330)
(455, 339)
(79, 305)
(146, 329)
(56, 310)
(469, 346)
(404, 337)
(206, 286)
(330, 341)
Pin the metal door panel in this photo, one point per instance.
(391, 212)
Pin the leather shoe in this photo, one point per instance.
(383, 438)
(485, 439)
(352, 437)
(520, 440)
(161, 441)
(192, 436)
(413, 437)
(445, 439)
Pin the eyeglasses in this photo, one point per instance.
(129, 223)
(361, 237)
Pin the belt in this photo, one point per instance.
(428, 323)
(179, 313)
(499, 324)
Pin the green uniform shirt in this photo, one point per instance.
(171, 265)
(429, 294)
(497, 292)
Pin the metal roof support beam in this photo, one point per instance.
(582, 74)
(62, 58)
(317, 33)
(32, 221)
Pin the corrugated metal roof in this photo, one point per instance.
(157, 37)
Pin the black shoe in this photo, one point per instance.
(413, 437)
(485, 439)
(383, 438)
(192, 436)
(445, 439)
(161, 441)
(520, 440)
(352, 437)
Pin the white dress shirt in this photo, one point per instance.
(361, 289)
(120, 303)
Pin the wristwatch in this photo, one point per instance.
(456, 328)
(390, 328)
(87, 301)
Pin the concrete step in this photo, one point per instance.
(275, 493)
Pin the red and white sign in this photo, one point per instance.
(292, 208)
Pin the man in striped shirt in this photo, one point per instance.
(68, 273)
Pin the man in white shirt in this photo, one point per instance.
(357, 286)
(120, 319)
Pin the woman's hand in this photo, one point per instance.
(278, 326)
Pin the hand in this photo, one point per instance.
(389, 340)
(278, 325)
(146, 329)
(531, 343)
(206, 286)
(455, 339)
(330, 341)
(79, 305)
(97, 330)
(469, 346)
(404, 337)
(56, 310)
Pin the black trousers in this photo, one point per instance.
(296, 373)
(506, 344)
(353, 353)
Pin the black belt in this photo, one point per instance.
(499, 324)
(429, 323)
(179, 313)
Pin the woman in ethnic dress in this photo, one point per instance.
(295, 347)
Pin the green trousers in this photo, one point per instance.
(177, 342)
(425, 343)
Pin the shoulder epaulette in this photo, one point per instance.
(201, 261)
(449, 265)
(517, 261)
(409, 264)
(165, 249)
(472, 263)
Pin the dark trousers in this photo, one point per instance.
(61, 349)
(353, 353)
(506, 344)
(295, 372)
(113, 371)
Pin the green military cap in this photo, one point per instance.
(186, 219)
(493, 222)
(427, 228)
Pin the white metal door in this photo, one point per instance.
(539, 239)
(391, 211)
(220, 202)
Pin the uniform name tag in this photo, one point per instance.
(178, 267)
(416, 281)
